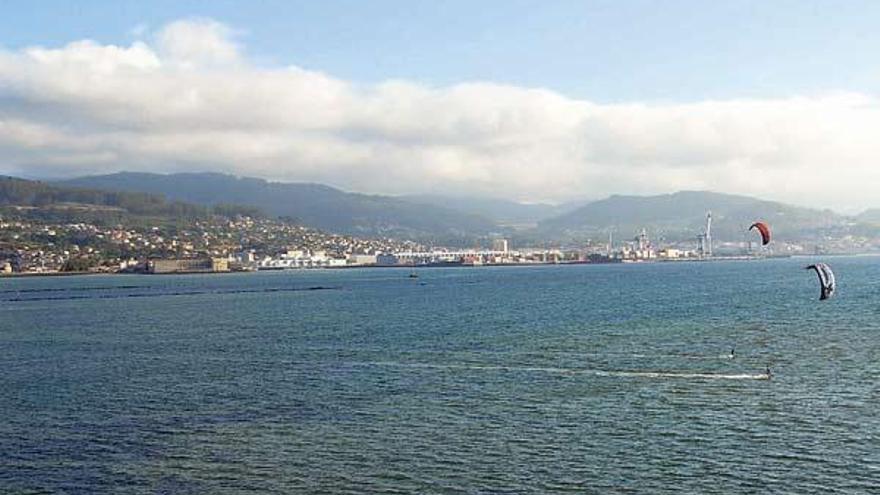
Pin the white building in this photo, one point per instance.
(301, 259)
(500, 245)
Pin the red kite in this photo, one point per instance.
(764, 230)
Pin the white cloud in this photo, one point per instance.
(198, 43)
(189, 99)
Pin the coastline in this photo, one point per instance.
(19, 275)
(714, 259)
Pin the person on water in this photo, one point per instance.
(768, 373)
(732, 352)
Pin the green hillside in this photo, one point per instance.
(683, 215)
(315, 205)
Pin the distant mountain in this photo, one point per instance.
(683, 214)
(869, 216)
(314, 205)
(453, 220)
(501, 211)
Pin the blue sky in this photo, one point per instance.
(605, 51)
(534, 101)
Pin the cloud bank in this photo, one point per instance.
(189, 99)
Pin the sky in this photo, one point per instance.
(532, 101)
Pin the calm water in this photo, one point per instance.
(583, 379)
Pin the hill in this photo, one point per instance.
(64, 203)
(315, 205)
(450, 220)
(501, 211)
(869, 216)
(682, 215)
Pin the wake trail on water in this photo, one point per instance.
(535, 354)
(708, 376)
(636, 355)
(571, 371)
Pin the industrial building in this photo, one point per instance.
(189, 265)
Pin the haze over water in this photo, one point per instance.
(596, 379)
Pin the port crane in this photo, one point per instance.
(705, 238)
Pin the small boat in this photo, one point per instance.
(413, 275)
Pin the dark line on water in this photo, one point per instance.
(72, 289)
(179, 293)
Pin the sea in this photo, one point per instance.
(623, 378)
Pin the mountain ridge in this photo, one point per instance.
(460, 220)
(683, 214)
(502, 211)
(312, 204)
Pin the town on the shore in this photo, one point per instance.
(248, 244)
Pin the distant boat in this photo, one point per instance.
(413, 275)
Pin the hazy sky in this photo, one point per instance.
(546, 100)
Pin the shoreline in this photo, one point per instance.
(51, 274)
(21, 275)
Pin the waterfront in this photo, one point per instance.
(588, 378)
